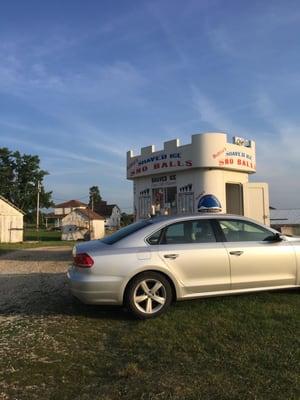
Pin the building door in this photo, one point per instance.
(170, 200)
(257, 201)
(158, 200)
(234, 199)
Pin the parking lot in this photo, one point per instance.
(53, 347)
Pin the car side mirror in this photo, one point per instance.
(274, 238)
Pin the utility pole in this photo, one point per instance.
(92, 201)
(38, 209)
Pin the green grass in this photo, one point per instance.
(8, 247)
(242, 347)
(32, 240)
(42, 235)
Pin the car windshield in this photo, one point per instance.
(126, 231)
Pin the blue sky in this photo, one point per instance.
(82, 82)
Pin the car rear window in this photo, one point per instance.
(126, 231)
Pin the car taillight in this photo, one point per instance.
(83, 260)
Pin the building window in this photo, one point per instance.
(164, 200)
(186, 202)
(144, 206)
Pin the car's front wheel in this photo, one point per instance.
(148, 295)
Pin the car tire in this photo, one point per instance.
(148, 295)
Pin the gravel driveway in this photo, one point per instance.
(34, 281)
(42, 328)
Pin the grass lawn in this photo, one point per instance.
(8, 247)
(242, 347)
(43, 235)
(46, 238)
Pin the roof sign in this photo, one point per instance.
(209, 203)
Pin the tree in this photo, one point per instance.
(20, 175)
(95, 197)
(126, 219)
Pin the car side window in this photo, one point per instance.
(243, 231)
(193, 231)
(176, 233)
(202, 231)
(154, 238)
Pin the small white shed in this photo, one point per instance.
(286, 221)
(82, 224)
(11, 222)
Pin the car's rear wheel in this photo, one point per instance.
(148, 295)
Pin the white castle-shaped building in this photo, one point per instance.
(208, 174)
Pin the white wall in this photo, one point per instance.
(114, 220)
(207, 150)
(204, 181)
(293, 230)
(66, 210)
(75, 225)
(98, 230)
(11, 224)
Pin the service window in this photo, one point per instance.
(193, 231)
(243, 231)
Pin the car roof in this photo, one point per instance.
(165, 219)
(161, 218)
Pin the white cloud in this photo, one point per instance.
(209, 113)
(37, 79)
(64, 153)
(221, 41)
(89, 136)
(278, 155)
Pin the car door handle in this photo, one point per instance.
(171, 256)
(236, 253)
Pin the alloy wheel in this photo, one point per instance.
(150, 296)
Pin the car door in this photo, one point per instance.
(190, 250)
(254, 261)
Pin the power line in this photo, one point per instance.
(77, 198)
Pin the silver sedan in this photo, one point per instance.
(153, 262)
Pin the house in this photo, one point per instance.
(63, 209)
(111, 212)
(286, 221)
(11, 222)
(82, 223)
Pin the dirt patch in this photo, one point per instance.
(42, 259)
